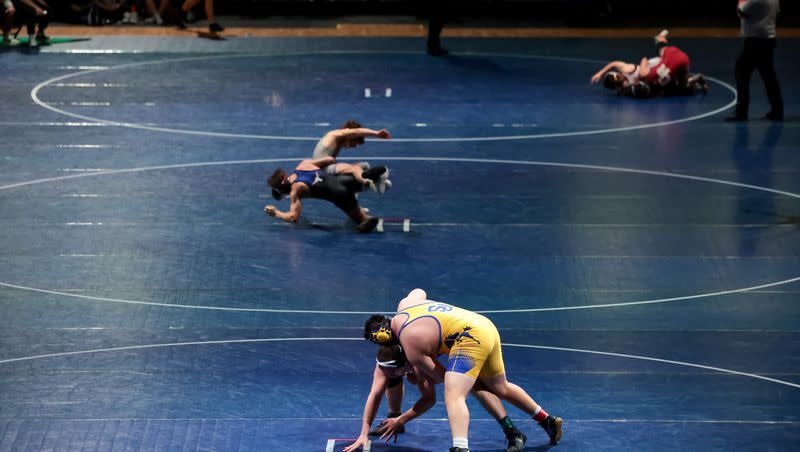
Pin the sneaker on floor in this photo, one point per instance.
(552, 426)
(437, 51)
(367, 225)
(214, 27)
(773, 116)
(516, 440)
(736, 117)
(181, 20)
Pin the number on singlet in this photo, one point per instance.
(439, 308)
(663, 74)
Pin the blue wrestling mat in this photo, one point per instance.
(641, 259)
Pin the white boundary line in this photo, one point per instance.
(424, 159)
(315, 339)
(35, 97)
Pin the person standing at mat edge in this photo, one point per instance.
(758, 29)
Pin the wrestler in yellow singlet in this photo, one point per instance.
(470, 339)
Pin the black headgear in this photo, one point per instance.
(276, 194)
(611, 80)
(398, 358)
(638, 90)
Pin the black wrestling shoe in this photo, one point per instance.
(374, 172)
(378, 175)
(516, 440)
(736, 117)
(214, 27)
(552, 426)
(437, 51)
(182, 20)
(367, 225)
(699, 83)
(458, 449)
(772, 116)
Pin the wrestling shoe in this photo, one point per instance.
(42, 39)
(552, 426)
(379, 175)
(697, 83)
(458, 449)
(385, 185)
(663, 34)
(367, 225)
(516, 440)
(214, 27)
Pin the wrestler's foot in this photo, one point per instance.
(379, 175)
(516, 440)
(552, 426)
(367, 225)
(458, 449)
(374, 173)
(383, 186)
(699, 82)
(661, 37)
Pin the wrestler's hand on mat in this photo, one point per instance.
(595, 78)
(361, 441)
(383, 133)
(389, 428)
(269, 210)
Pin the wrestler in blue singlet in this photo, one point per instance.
(306, 177)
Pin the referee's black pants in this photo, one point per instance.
(757, 54)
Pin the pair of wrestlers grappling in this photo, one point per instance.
(322, 177)
(665, 75)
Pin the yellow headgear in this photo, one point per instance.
(382, 335)
(378, 329)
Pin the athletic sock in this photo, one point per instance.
(506, 423)
(540, 415)
(461, 442)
